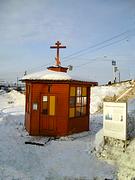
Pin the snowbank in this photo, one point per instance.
(12, 103)
(98, 93)
(17, 98)
(113, 152)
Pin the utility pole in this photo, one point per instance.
(114, 70)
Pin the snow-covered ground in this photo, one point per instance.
(72, 157)
(65, 158)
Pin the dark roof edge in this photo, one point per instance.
(60, 81)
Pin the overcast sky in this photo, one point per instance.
(94, 31)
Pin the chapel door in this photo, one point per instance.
(48, 114)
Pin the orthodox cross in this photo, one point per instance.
(58, 46)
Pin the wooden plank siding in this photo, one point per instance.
(61, 92)
(63, 125)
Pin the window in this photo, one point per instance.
(52, 106)
(72, 112)
(84, 91)
(84, 101)
(72, 101)
(45, 105)
(72, 91)
(78, 102)
(48, 105)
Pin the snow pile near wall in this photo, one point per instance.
(131, 118)
(12, 103)
(99, 139)
(98, 93)
(114, 153)
(131, 125)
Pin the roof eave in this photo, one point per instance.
(60, 81)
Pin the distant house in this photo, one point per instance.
(3, 84)
(57, 104)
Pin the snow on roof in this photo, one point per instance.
(51, 75)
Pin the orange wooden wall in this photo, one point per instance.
(65, 125)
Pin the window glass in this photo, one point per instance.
(72, 112)
(45, 108)
(52, 106)
(78, 111)
(45, 105)
(45, 98)
(72, 101)
(78, 101)
(84, 91)
(72, 91)
(83, 110)
(84, 101)
(79, 91)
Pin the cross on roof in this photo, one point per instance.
(58, 46)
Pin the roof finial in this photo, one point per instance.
(57, 58)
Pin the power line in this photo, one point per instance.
(98, 44)
(93, 61)
(99, 49)
(83, 51)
